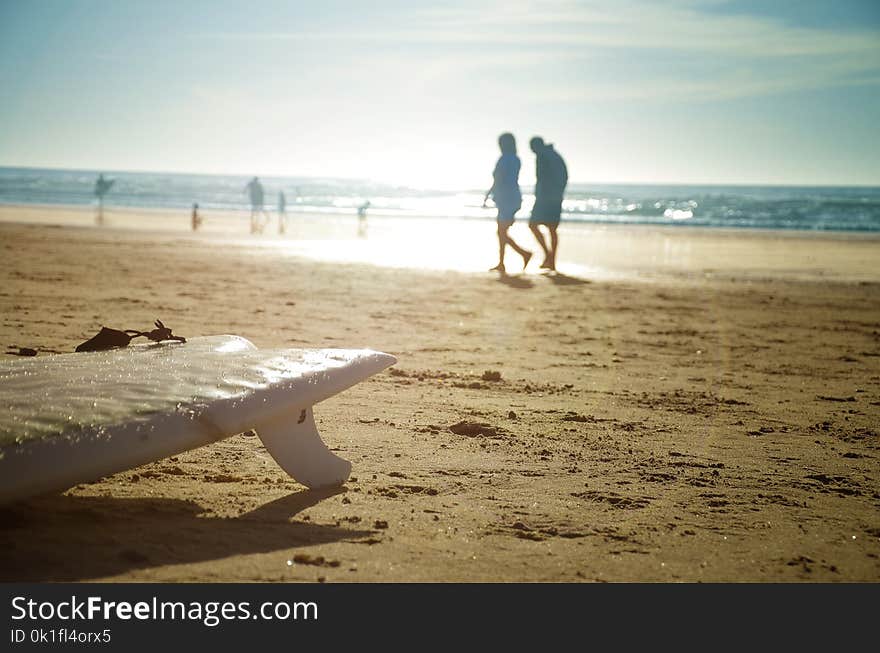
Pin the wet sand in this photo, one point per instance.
(703, 421)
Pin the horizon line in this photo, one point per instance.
(425, 188)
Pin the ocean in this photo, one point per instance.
(845, 209)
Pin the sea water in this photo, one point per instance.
(842, 209)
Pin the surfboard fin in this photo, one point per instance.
(295, 444)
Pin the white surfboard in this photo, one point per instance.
(73, 418)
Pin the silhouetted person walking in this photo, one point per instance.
(507, 197)
(282, 212)
(254, 189)
(551, 178)
(362, 218)
(195, 218)
(102, 185)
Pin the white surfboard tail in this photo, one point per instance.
(73, 418)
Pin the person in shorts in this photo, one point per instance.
(551, 176)
(254, 189)
(507, 197)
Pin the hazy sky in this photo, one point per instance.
(409, 92)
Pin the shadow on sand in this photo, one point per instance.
(564, 280)
(69, 538)
(516, 281)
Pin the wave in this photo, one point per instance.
(753, 207)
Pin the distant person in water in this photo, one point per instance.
(282, 212)
(362, 218)
(506, 195)
(195, 218)
(102, 185)
(551, 176)
(259, 218)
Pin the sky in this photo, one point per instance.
(416, 93)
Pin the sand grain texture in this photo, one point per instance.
(536, 428)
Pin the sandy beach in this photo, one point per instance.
(673, 406)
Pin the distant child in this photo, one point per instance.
(196, 218)
(282, 212)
